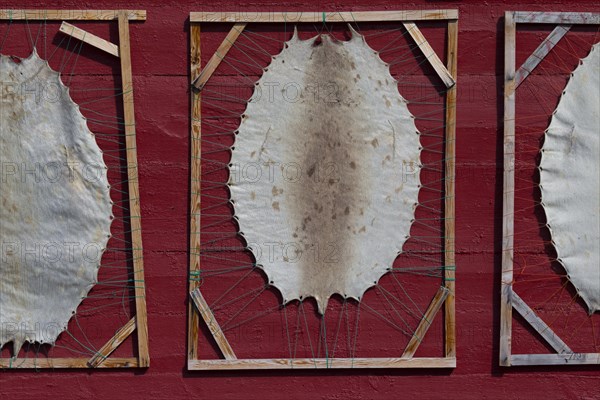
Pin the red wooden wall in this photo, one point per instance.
(161, 65)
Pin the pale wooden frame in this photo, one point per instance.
(138, 323)
(509, 298)
(445, 295)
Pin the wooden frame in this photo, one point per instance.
(510, 300)
(198, 308)
(139, 322)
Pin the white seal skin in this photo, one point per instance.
(570, 179)
(324, 173)
(55, 207)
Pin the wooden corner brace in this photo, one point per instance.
(428, 317)
(212, 324)
(89, 38)
(429, 54)
(219, 55)
(112, 344)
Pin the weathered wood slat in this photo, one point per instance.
(212, 324)
(42, 363)
(556, 359)
(540, 326)
(71, 15)
(317, 16)
(508, 205)
(429, 54)
(195, 198)
(538, 55)
(450, 195)
(218, 55)
(542, 17)
(112, 344)
(89, 38)
(134, 191)
(425, 323)
(322, 363)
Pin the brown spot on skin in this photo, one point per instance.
(311, 170)
(352, 165)
(375, 143)
(276, 191)
(252, 154)
(347, 211)
(253, 195)
(363, 229)
(275, 205)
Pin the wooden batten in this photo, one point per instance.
(538, 55)
(555, 359)
(110, 346)
(72, 15)
(134, 191)
(212, 324)
(89, 38)
(195, 198)
(508, 209)
(539, 325)
(58, 363)
(322, 363)
(218, 56)
(429, 54)
(321, 16)
(541, 17)
(450, 195)
(428, 317)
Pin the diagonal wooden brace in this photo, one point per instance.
(218, 56)
(428, 317)
(112, 344)
(538, 55)
(429, 54)
(89, 38)
(212, 324)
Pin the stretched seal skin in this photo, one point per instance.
(55, 207)
(324, 174)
